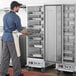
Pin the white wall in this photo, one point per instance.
(1, 17)
(23, 13)
(6, 3)
(42, 2)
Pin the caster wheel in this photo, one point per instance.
(28, 68)
(43, 70)
(32, 69)
(59, 73)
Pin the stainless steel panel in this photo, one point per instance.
(58, 34)
(50, 33)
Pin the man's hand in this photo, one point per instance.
(24, 31)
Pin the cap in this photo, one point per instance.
(15, 3)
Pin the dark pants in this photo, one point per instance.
(9, 51)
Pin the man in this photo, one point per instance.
(11, 22)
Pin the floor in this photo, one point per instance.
(29, 73)
(50, 71)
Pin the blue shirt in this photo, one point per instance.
(11, 22)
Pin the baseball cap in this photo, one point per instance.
(15, 3)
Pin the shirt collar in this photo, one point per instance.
(12, 11)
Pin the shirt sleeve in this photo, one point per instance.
(18, 24)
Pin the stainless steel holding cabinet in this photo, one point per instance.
(41, 43)
(35, 41)
(67, 61)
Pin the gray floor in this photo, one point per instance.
(51, 71)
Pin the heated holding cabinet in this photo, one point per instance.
(44, 25)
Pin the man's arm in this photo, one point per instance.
(19, 28)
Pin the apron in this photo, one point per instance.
(16, 41)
